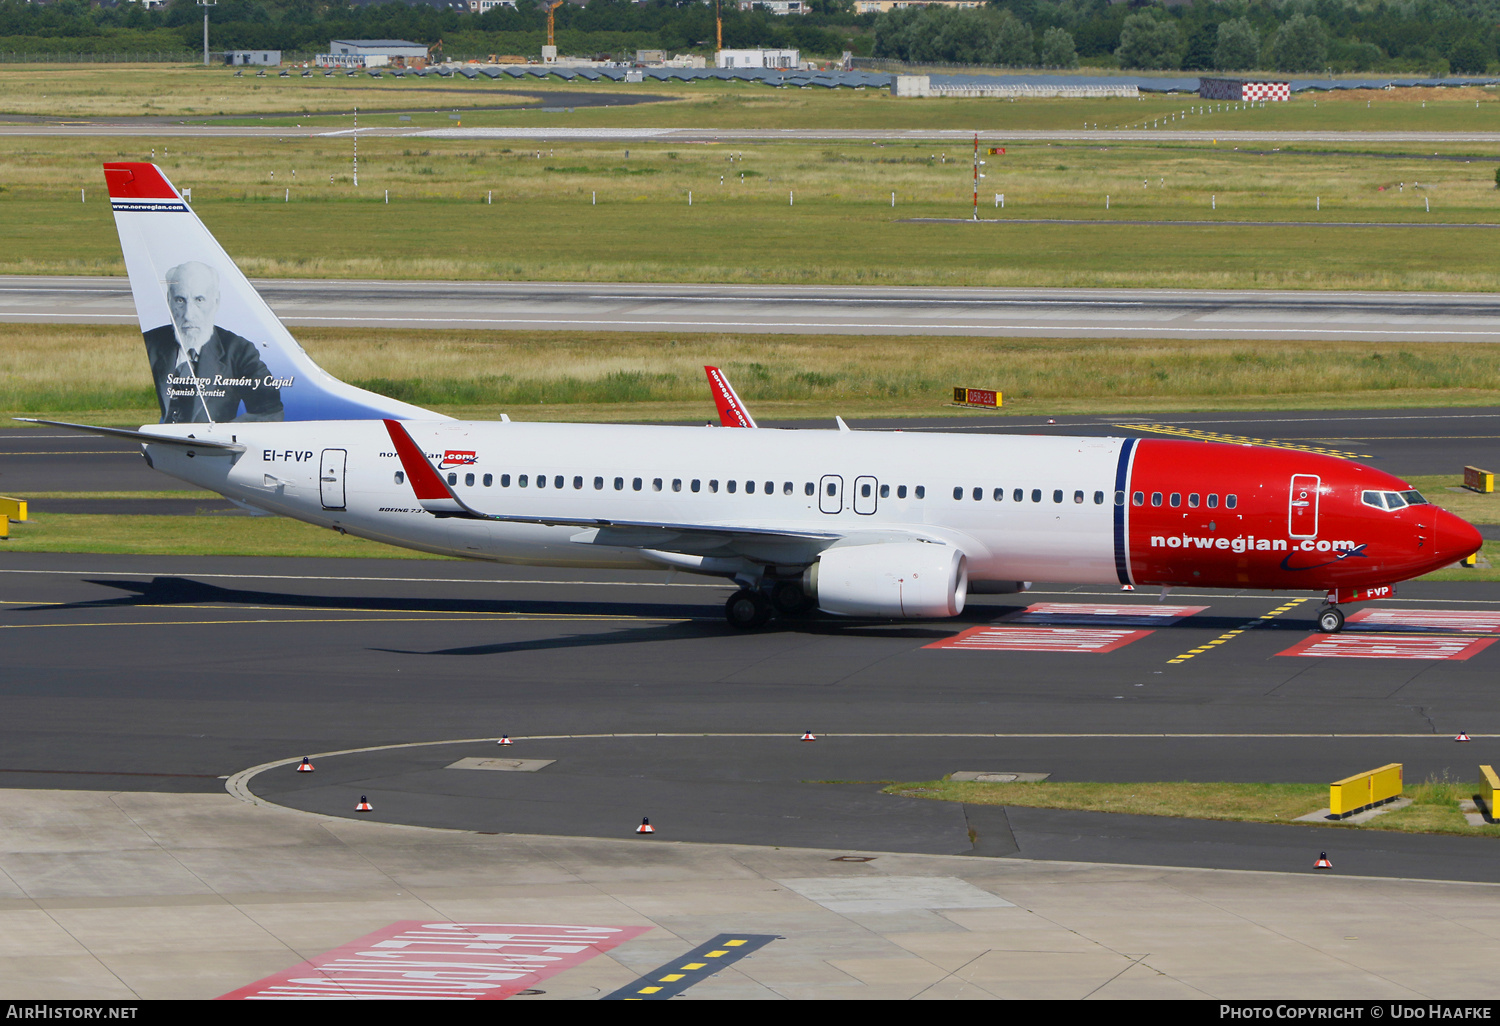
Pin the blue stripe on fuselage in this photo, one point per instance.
(1122, 482)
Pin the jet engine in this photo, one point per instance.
(897, 580)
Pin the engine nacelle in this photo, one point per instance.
(898, 580)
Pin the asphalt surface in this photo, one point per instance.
(170, 673)
(1403, 441)
(957, 136)
(776, 309)
(178, 673)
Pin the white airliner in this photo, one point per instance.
(869, 524)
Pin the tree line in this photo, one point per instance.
(604, 27)
(1414, 36)
(1421, 36)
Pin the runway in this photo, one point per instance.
(564, 133)
(773, 309)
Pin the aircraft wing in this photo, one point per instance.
(440, 500)
(732, 412)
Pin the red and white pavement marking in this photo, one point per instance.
(449, 961)
(1389, 646)
(1094, 614)
(1458, 621)
(1007, 638)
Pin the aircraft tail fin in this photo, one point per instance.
(218, 353)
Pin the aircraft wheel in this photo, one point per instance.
(790, 600)
(747, 610)
(1331, 620)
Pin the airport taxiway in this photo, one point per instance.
(159, 841)
(778, 309)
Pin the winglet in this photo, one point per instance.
(732, 412)
(430, 488)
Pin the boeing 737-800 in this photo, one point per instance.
(857, 523)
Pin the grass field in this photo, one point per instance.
(1434, 808)
(72, 91)
(210, 535)
(588, 212)
(100, 373)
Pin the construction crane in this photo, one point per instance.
(550, 8)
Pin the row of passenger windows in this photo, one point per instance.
(659, 484)
(1175, 499)
(1194, 499)
(1019, 495)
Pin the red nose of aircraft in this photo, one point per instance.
(1454, 538)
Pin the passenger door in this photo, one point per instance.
(1302, 514)
(331, 477)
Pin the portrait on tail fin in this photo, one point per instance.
(203, 371)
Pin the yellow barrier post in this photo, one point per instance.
(1476, 480)
(4, 526)
(1488, 785)
(1375, 787)
(13, 508)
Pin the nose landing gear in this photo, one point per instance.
(1330, 619)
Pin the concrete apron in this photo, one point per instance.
(140, 895)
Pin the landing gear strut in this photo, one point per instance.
(1331, 620)
(747, 610)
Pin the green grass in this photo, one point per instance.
(842, 229)
(1434, 807)
(206, 535)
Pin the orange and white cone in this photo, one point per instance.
(645, 827)
(364, 804)
(1461, 736)
(505, 740)
(1127, 587)
(307, 766)
(809, 736)
(1323, 862)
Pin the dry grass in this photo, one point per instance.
(114, 90)
(1434, 808)
(49, 368)
(193, 91)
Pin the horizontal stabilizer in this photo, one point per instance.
(188, 442)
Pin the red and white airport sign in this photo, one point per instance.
(419, 960)
(1456, 621)
(1090, 614)
(1389, 646)
(1007, 638)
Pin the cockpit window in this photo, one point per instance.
(1393, 500)
(1414, 498)
(1372, 499)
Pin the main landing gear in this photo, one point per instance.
(748, 609)
(1330, 620)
